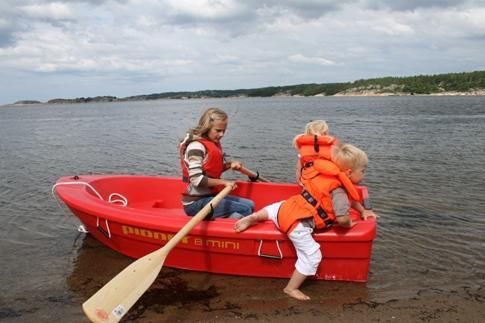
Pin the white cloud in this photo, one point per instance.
(299, 58)
(392, 27)
(465, 23)
(54, 10)
(123, 48)
(207, 9)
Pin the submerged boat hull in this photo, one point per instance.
(153, 214)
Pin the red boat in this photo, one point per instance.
(136, 215)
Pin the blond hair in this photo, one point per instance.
(206, 121)
(347, 156)
(316, 127)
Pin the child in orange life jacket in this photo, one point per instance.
(312, 144)
(327, 198)
(202, 163)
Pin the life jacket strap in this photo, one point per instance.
(316, 146)
(320, 211)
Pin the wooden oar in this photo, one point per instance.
(252, 175)
(114, 299)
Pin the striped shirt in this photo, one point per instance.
(195, 156)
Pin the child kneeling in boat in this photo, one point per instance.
(327, 198)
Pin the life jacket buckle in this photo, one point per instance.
(313, 202)
(308, 165)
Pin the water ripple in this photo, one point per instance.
(428, 189)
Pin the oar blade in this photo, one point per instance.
(113, 301)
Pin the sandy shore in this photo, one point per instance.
(240, 303)
(183, 296)
(256, 303)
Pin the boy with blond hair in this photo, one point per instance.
(328, 195)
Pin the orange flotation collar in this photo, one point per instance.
(311, 147)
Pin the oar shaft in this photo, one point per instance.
(197, 218)
(251, 174)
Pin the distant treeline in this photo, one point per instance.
(421, 84)
(86, 100)
(429, 84)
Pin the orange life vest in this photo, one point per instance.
(214, 164)
(311, 147)
(315, 201)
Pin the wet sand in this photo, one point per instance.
(240, 303)
(183, 296)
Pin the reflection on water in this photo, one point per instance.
(175, 294)
(425, 178)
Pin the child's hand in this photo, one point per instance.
(231, 184)
(369, 214)
(235, 165)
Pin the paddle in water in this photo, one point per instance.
(114, 299)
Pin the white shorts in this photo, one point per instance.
(307, 249)
(272, 210)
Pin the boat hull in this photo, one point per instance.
(154, 214)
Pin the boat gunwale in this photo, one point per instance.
(77, 197)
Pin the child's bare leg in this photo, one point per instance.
(246, 222)
(292, 289)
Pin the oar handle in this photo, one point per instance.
(252, 175)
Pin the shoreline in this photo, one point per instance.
(450, 93)
(185, 296)
(347, 94)
(465, 305)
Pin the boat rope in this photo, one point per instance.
(114, 198)
(76, 183)
(81, 228)
(119, 198)
(270, 256)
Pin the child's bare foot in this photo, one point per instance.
(243, 224)
(296, 293)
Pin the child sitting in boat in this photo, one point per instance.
(314, 143)
(327, 198)
(202, 162)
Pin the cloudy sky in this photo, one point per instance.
(81, 48)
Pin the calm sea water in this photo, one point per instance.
(425, 177)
